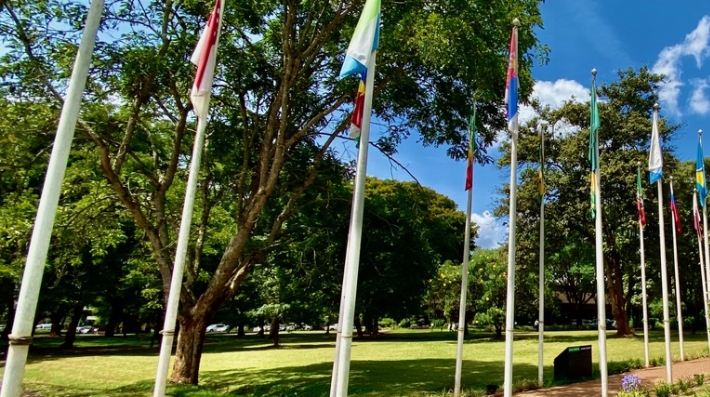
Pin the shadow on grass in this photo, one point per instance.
(382, 378)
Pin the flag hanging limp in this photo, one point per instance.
(205, 57)
(593, 150)
(471, 146)
(655, 158)
(639, 198)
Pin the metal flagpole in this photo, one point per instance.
(664, 272)
(512, 214)
(21, 335)
(352, 256)
(601, 296)
(168, 331)
(541, 292)
(696, 221)
(643, 284)
(464, 289)
(679, 312)
(334, 375)
(173, 300)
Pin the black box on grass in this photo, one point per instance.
(574, 362)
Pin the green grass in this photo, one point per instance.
(401, 363)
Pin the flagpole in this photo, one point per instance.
(679, 312)
(512, 215)
(21, 336)
(352, 257)
(464, 289)
(334, 375)
(541, 292)
(601, 297)
(173, 302)
(664, 272)
(696, 221)
(643, 281)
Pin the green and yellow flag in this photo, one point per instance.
(593, 150)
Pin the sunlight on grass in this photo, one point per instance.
(408, 363)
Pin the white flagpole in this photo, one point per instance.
(352, 256)
(705, 238)
(173, 300)
(702, 269)
(464, 289)
(679, 313)
(541, 292)
(168, 331)
(643, 295)
(664, 272)
(334, 375)
(21, 335)
(643, 291)
(510, 294)
(601, 296)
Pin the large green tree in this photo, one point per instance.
(277, 108)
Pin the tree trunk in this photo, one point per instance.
(56, 318)
(358, 326)
(113, 318)
(70, 336)
(189, 350)
(274, 332)
(616, 295)
(240, 331)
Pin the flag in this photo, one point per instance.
(205, 57)
(696, 217)
(700, 173)
(655, 158)
(541, 170)
(471, 146)
(365, 41)
(674, 210)
(639, 198)
(511, 85)
(593, 149)
(356, 118)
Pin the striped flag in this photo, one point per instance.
(700, 173)
(205, 57)
(639, 198)
(365, 41)
(674, 211)
(593, 160)
(511, 85)
(655, 158)
(471, 146)
(696, 216)
(358, 109)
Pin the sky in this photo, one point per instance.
(608, 35)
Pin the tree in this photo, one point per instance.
(276, 92)
(624, 139)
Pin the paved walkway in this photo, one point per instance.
(648, 376)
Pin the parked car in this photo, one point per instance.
(85, 329)
(307, 327)
(43, 327)
(218, 328)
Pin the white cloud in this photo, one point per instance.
(697, 45)
(491, 232)
(553, 94)
(699, 103)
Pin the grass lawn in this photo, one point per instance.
(400, 363)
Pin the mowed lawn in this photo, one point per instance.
(399, 363)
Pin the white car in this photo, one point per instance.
(218, 328)
(85, 329)
(44, 326)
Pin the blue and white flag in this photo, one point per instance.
(655, 158)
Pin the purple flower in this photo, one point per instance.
(630, 383)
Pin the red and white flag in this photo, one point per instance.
(205, 57)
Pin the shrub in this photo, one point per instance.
(405, 323)
(663, 389)
(699, 379)
(684, 384)
(387, 323)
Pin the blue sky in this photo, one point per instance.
(603, 34)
